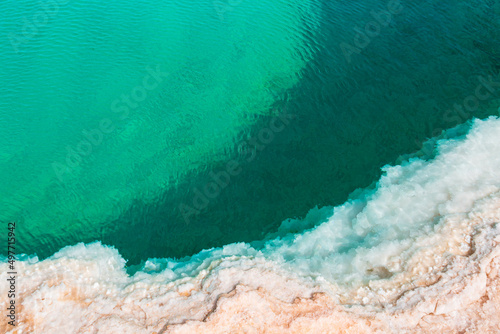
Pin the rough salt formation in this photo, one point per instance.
(461, 297)
(420, 253)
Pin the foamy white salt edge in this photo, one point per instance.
(409, 232)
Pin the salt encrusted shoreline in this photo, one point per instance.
(467, 301)
(463, 298)
(67, 295)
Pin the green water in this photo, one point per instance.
(116, 116)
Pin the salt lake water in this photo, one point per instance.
(163, 128)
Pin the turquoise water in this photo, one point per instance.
(164, 128)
